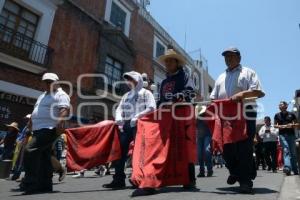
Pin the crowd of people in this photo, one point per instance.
(37, 149)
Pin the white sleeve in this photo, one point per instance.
(214, 94)
(254, 82)
(150, 104)
(63, 101)
(261, 132)
(119, 110)
(275, 131)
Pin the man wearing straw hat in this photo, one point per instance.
(177, 87)
(10, 141)
(239, 83)
(47, 122)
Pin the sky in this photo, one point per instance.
(266, 32)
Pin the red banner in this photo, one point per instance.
(91, 146)
(226, 121)
(163, 148)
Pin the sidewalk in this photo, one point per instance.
(290, 189)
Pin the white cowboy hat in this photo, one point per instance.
(171, 53)
(14, 125)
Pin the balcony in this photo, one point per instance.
(23, 52)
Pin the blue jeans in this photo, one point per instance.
(204, 153)
(289, 151)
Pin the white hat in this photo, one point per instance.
(50, 76)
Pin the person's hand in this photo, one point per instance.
(133, 122)
(237, 97)
(121, 129)
(60, 130)
(119, 122)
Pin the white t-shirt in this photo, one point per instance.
(46, 109)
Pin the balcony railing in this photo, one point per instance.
(23, 47)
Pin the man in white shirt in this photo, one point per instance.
(239, 83)
(269, 134)
(47, 123)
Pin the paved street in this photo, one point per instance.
(267, 187)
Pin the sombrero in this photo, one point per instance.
(13, 125)
(171, 53)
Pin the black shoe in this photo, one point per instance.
(133, 186)
(190, 186)
(296, 173)
(246, 187)
(143, 192)
(231, 180)
(15, 177)
(48, 189)
(115, 185)
(287, 171)
(210, 173)
(17, 190)
(97, 172)
(201, 175)
(31, 192)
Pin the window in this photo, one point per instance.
(18, 22)
(118, 16)
(160, 49)
(113, 70)
(118, 13)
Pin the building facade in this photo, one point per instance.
(89, 44)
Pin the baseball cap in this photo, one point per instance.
(50, 76)
(232, 50)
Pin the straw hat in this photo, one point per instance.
(171, 53)
(13, 125)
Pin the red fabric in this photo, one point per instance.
(163, 149)
(91, 146)
(130, 150)
(226, 122)
(279, 156)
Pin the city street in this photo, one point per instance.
(267, 187)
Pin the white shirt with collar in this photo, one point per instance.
(46, 110)
(234, 81)
(271, 136)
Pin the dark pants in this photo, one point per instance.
(239, 156)
(8, 153)
(126, 137)
(192, 175)
(260, 155)
(271, 154)
(37, 161)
